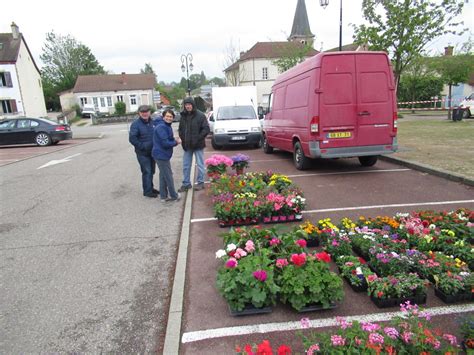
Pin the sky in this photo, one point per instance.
(124, 35)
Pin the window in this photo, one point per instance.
(7, 125)
(109, 101)
(83, 101)
(95, 101)
(102, 102)
(265, 73)
(133, 99)
(23, 124)
(6, 79)
(8, 106)
(119, 98)
(34, 124)
(39, 82)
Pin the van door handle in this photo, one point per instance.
(364, 113)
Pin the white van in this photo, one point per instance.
(468, 105)
(234, 119)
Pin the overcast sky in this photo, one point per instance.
(124, 35)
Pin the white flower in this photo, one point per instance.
(220, 253)
(231, 247)
(432, 226)
(359, 271)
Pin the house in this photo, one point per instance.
(103, 91)
(21, 90)
(256, 66)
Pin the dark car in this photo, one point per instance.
(41, 131)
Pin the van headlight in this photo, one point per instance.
(255, 129)
(219, 130)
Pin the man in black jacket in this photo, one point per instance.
(193, 129)
(141, 137)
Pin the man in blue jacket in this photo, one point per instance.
(141, 137)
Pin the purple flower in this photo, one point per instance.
(375, 338)
(391, 332)
(370, 327)
(386, 228)
(260, 275)
(337, 340)
(240, 157)
(305, 323)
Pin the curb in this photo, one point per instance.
(175, 314)
(430, 170)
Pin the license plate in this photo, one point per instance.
(339, 135)
(237, 138)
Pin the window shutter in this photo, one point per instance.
(13, 106)
(8, 79)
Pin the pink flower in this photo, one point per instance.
(249, 246)
(358, 341)
(240, 253)
(260, 275)
(298, 260)
(343, 323)
(312, 349)
(301, 243)
(281, 263)
(370, 327)
(231, 263)
(391, 332)
(406, 336)
(275, 241)
(305, 323)
(375, 338)
(337, 340)
(451, 339)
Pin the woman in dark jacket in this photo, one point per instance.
(163, 144)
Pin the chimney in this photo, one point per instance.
(123, 78)
(448, 50)
(15, 31)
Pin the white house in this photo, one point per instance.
(103, 91)
(21, 90)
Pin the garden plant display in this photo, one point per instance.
(466, 328)
(355, 271)
(217, 165)
(240, 162)
(452, 287)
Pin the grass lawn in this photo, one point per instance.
(438, 142)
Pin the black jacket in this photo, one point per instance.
(141, 136)
(193, 127)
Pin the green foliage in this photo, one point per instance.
(414, 88)
(406, 27)
(453, 284)
(64, 60)
(120, 108)
(396, 286)
(310, 283)
(455, 69)
(292, 57)
(148, 69)
(78, 110)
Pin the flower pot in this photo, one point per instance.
(312, 242)
(459, 297)
(282, 218)
(275, 218)
(267, 219)
(395, 302)
(316, 307)
(239, 171)
(358, 288)
(291, 217)
(250, 309)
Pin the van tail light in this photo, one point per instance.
(314, 126)
(395, 122)
(60, 128)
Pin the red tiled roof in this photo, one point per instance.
(270, 50)
(118, 82)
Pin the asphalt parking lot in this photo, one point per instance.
(335, 189)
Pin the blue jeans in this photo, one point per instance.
(187, 164)
(147, 166)
(166, 179)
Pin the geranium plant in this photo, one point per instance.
(217, 164)
(354, 270)
(454, 284)
(396, 286)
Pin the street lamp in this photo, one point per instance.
(187, 58)
(325, 3)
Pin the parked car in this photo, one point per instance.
(88, 111)
(334, 105)
(467, 105)
(41, 131)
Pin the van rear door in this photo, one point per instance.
(375, 99)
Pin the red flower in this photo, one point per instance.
(379, 294)
(301, 243)
(238, 349)
(284, 350)
(298, 259)
(323, 256)
(264, 348)
(362, 261)
(232, 253)
(248, 349)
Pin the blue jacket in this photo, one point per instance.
(141, 136)
(163, 141)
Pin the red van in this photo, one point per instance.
(334, 105)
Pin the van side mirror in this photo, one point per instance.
(211, 119)
(261, 112)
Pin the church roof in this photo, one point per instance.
(300, 27)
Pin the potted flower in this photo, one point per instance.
(338, 245)
(312, 235)
(240, 162)
(395, 289)
(248, 284)
(385, 262)
(452, 287)
(466, 328)
(217, 165)
(306, 282)
(355, 271)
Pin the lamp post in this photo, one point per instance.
(187, 59)
(325, 3)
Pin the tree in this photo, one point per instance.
(64, 59)
(292, 56)
(148, 69)
(217, 81)
(406, 27)
(453, 70)
(231, 58)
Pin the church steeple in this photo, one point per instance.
(300, 32)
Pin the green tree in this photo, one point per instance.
(403, 28)
(64, 59)
(148, 69)
(217, 81)
(291, 57)
(453, 70)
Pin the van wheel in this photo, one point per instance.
(267, 148)
(214, 145)
(258, 144)
(368, 161)
(300, 160)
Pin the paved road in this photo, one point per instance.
(85, 259)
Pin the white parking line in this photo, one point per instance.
(199, 335)
(437, 203)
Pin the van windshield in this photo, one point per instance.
(236, 113)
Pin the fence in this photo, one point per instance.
(428, 105)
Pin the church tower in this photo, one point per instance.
(300, 32)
